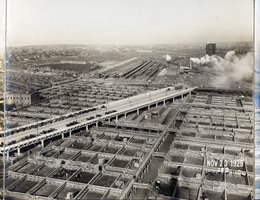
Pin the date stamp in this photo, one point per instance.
(225, 165)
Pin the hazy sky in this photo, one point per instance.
(2, 26)
(128, 21)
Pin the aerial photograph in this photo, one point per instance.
(127, 99)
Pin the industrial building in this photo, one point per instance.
(184, 69)
(22, 99)
(211, 49)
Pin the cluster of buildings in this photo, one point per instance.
(200, 146)
(210, 50)
(62, 99)
(193, 145)
(38, 53)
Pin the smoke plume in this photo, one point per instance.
(229, 69)
(168, 58)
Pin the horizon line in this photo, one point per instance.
(114, 44)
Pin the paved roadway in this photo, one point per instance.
(120, 106)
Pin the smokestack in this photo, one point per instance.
(191, 64)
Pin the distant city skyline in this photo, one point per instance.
(129, 22)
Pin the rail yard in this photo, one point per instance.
(128, 123)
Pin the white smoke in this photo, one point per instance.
(229, 69)
(230, 56)
(168, 58)
(206, 59)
